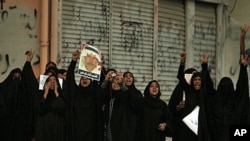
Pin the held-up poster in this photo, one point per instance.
(89, 64)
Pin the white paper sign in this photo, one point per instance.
(42, 81)
(191, 120)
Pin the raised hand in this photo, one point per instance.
(29, 55)
(244, 30)
(46, 89)
(109, 76)
(204, 58)
(243, 59)
(75, 55)
(181, 105)
(183, 57)
(119, 77)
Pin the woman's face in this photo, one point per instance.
(197, 83)
(50, 65)
(153, 89)
(85, 82)
(52, 82)
(115, 85)
(128, 79)
(16, 75)
(62, 76)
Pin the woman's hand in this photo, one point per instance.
(162, 126)
(183, 57)
(204, 58)
(46, 89)
(181, 105)
(56, 89)
(75, 55)
(29, 55)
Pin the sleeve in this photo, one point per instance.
(209, 82)
(175, 98)
(242, 97)
(168, 119)
(70, 77)
(181, 71)
(104, 84)
(207, 105)
(29, 80)
(177, 93)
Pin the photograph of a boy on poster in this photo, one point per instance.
(90, 59)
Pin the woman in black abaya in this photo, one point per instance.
(84, 118)
(155, 120)
(198, 91)
(135, 100)
(231, 107)
(10, 90)
(51, 108)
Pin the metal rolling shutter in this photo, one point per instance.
(132, 39)
(84, 21)
(171, 43)
(205, 35)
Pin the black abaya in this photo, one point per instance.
(231, 106)
(84, 118)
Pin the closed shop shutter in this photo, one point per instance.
(84, 21)
(132, 39)
(205, 35)
(171, 43)
(124, 30)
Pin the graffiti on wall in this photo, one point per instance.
(18, 27)
(132, 35)
(93, 31)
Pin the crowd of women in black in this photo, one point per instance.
(113, 109)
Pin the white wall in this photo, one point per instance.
(235, 20)
(19, 33)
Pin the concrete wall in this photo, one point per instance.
(19, 25)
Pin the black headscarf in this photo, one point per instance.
(132, 88)
(53, 70)
(196, 74)
(85, 91)
(225, 91)
(133, 83)
(10, 89)
(50, 64)
(7, 82)
(150, 100)
(146, 90)
(61, 71)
